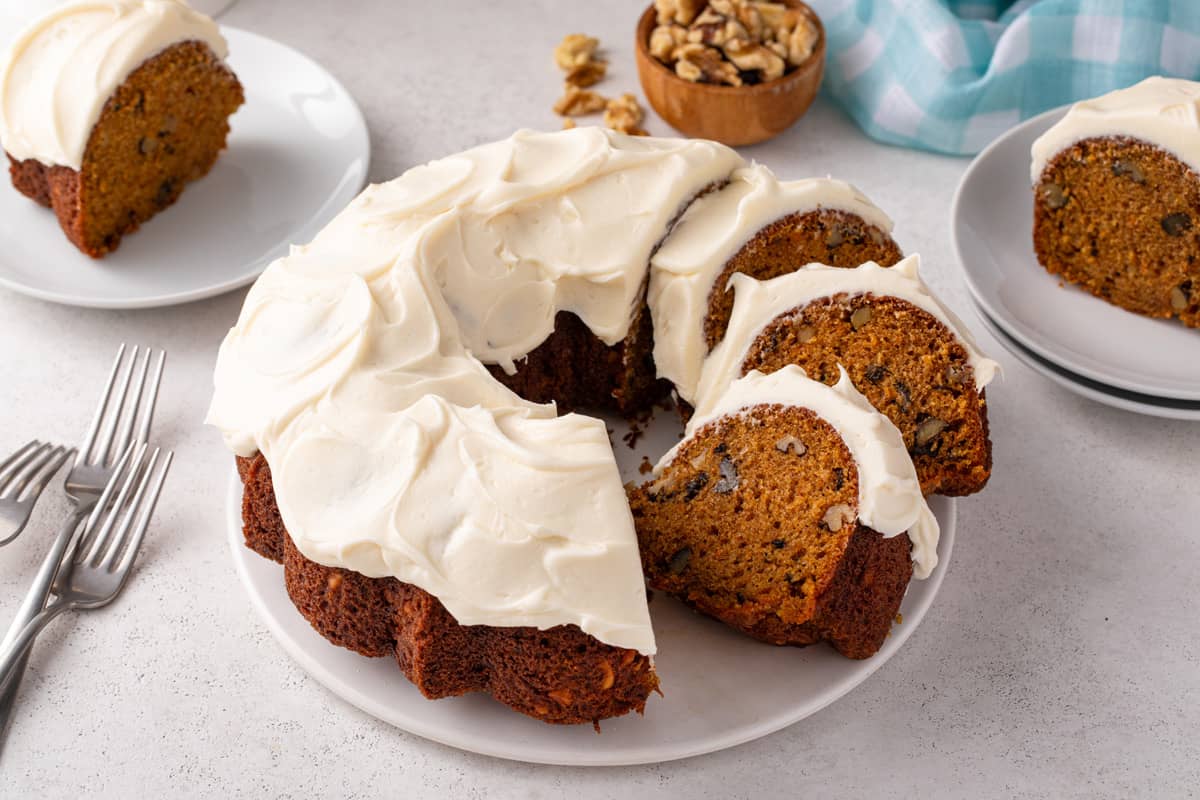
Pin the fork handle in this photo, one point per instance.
(30, 607)
(12, 657)
(39, 591)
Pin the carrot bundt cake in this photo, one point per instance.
(1117, 198)
(790, 511)
(108, 109)
(386, 390)
(911, 357)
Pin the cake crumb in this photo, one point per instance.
(645, 467)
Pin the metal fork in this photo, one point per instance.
(119, 418)
(23, 476)
(100, 557)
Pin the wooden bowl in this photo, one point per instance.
(732, 115)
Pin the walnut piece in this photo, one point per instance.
(665, 39)
(801, 42)
(756, 41)
(746, 56)
(588, 73)
(701, 63)
(574, 50)
(576, 101)
(625, 115)
(678, 11)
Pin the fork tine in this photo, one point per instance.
(89, 439)
(14, 463)
(140, 509)
(143, 430)
(32, 470)
(90, 532)
(126, 418)
(131, 552)
(35, 491)
(113, 417)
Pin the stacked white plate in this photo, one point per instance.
(1068, 335)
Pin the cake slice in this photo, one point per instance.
(908, 354)
(1117, 198)
(108, 110)
(760, 226)
(789, 511)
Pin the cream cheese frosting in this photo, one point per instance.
(889, 494)
(356, 369)
(712, 231)
(62, 68)
(1162, 111)
(758, 303)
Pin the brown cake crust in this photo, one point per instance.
(834, 238)
(753, 523)
(1120, 218)
(907, 364)
(560, 675)
(163, 128)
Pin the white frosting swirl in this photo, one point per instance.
(355, 369)
(61, 70)
(711, 232)
(759, 303)
(889, 494)
(1162, 111)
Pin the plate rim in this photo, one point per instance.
(254, 268)
(335, 685)
(1012, 327)
(1072, 382)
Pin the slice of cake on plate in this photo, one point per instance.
(760, 226)
(790, 511)
(906, 352)
(1117, 198)
(108, 110)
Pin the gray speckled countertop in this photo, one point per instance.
(1060, 659)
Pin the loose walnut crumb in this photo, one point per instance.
(576, 56)
(588, 73)
(576, 49)
(576, 101)
(744, 41)
(625, 115)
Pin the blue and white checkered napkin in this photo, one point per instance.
(951, 75)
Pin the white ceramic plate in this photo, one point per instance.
(720, 688)
(992, 225)
(298, 153)
(1109, 396)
